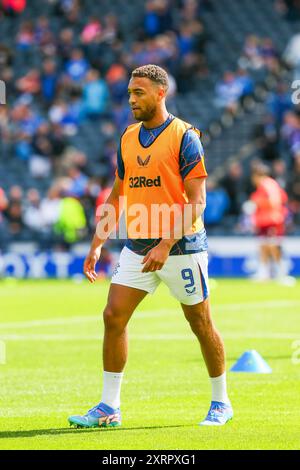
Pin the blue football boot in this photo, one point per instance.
(100, 416)
(218, 414)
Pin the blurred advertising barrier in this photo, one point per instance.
(228, 257)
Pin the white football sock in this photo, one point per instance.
(280, 269)
(219, 389)
(264, 271)
(112, 388)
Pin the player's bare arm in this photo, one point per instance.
(196, 194)
(100, 236)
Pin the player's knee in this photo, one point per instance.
(201, 325)
(200, 321)
(113, 320)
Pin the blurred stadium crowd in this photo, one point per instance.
(66, 65)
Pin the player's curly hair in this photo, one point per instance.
(154, 73)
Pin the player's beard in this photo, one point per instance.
(147, 114)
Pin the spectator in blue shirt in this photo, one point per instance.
(77, 67)
(95, 95)
(217, 203)
(78, 184)
(228, 92)
(245, 82)
(279, 102)
(49, 80)
(157, 17)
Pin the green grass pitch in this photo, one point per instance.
(52, 333)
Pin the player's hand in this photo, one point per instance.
(90, 264)
(156, 258)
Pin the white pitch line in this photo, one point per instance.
(144, 337)
(50, 322)
(259, 305)
(145, 314)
